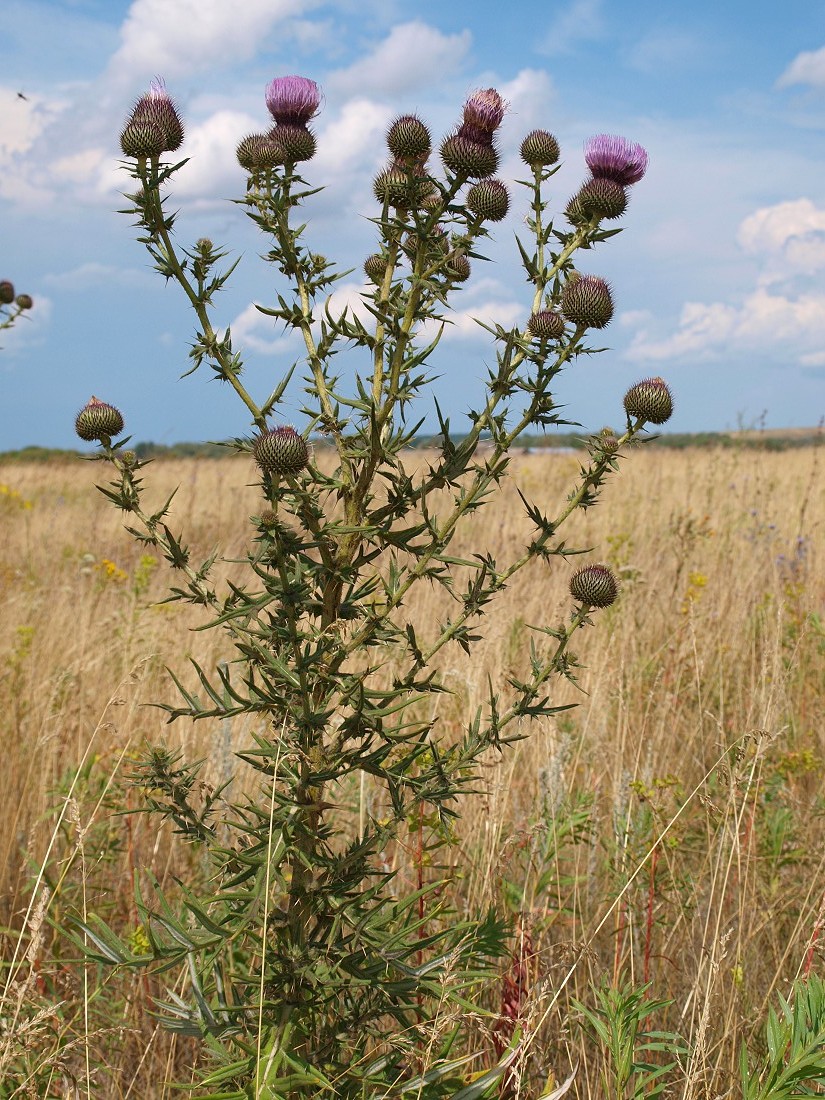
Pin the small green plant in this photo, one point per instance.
(794, 1063)
(304, 966)
(633, 1063)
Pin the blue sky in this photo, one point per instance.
(718, 279)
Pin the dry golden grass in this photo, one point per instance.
(668, 829)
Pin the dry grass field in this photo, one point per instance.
(669, 829)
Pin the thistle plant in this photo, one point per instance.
(12, 305)
(303, 965)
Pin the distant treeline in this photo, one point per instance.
(771, 440)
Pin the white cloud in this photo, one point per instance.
(807, 67)
(93, 274)
(353, 140)
(579, 21)
(258, 332)
(788, 240)
(212, 172)
(194, 35)
(411, 57)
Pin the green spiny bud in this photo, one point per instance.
(98, 421)
(586, 302)
(488, 199)
(297, 142)
(649, 400)
(546, 325)
(257, 152)
(408, 137)
(539, 148)
(269, 518)
(392, 186)
(281, 451)
(142, 138)
(594, 585)
(375, 267)
(468, 158)
(607, 441)
(597, 198)
(458, 267)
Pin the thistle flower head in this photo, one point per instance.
(615, 158)
(489, 200)
(539, 149)
(594, 585)
(484, 110)
(468, 158)
(98, 420)
(281, 451)
(256, 152)
(649, 400)
(599, 198)
(546, 325)
(156, 110)
(24, 301)
(296, 141)
(586, 301)
(293, 100)
(409, 137)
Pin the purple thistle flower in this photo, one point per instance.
(293, 100)
(157, 109)
(484, 110)
(615, 158)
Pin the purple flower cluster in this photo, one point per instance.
(292, 101)
(154, 126)
(615, 158)
(471, 151)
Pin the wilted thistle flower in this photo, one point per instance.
(489, 200)
(153, 112)
(594, 585)
(97, 420)
(546, 325)
(539, 149)
(600, 198)
(408, 137)
(257, 152)
(293, 100)
(649, 400)
(6, 292)
(586, 301)
(615, 158)
(281, 451)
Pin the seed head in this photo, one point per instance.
(6, 292)
(546, 325)
(649, 400)
(594, 585)
(488, 199)
(586, 301)
(615, 158)
(409, 137)
(293, 100)
(281, 451)
(599, 198)
(539, 148)
(468, 158)
(98, 421)
(157, 109)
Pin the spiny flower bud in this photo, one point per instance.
(489, 200)
(409, 137)
(157, 109)
(599, 198)
(649, 400)
(24, 301)
(615, 158)
(6, 292)
(594, 585)
(458, 267)
(607, 441)
(587, 302)
(281, 451)
(546, 325)
(257, 152)
(468, 158)
(484, 111)
(269, 518)
(142, 138)
(540, 148)
(293, 100)
(392, 186)
(297, 142)
(375, 267)
(98, 421)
